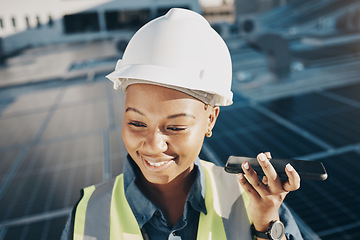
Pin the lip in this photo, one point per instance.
(157, 165)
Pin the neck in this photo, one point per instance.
(170, 197)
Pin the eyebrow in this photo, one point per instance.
(181, 115)
(169, 117)
(134, 110)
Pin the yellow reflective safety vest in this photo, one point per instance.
(104, 213)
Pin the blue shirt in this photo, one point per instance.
(152, 221)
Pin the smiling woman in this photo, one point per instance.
(163, 130)
(174, 89)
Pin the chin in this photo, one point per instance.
(158, 179)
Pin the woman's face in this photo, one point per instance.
(163, 130)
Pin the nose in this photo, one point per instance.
(155, 142)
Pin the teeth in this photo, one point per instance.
(157, 164)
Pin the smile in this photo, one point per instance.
(157, 164)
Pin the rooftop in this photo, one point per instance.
(60, 125)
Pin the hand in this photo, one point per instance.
(267, 195)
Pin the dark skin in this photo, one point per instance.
(267, 195)
(171, 197)
(163, 131)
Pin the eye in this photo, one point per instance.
(176, 128)
(137, 124)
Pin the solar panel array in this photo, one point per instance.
(54, 142)
(64, 145)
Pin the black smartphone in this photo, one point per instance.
(312, 170)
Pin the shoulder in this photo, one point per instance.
(102, 187)
(219, 173)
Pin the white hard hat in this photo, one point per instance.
(179, 50)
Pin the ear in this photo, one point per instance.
(213, 115)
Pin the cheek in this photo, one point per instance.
(191, 144)
(131, 141)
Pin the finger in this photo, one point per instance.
(293, 182)
(268, 168)
(265, 180)
(254, 179)
(268, 155)
(273, 180)
(247, 186)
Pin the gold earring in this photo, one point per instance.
(209, 133)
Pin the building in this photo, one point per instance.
(41, 22)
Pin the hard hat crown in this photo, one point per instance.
(179, 49)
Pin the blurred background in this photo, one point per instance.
(296, 84)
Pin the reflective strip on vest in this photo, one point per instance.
(123, 222)
(79, 223)
(229, 202)
(104, 213)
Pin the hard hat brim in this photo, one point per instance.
(164, 76)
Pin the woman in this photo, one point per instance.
(176, 72)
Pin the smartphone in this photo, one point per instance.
(312, 170)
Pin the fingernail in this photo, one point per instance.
(240, 176)
(246, 165)
(289, 167)
(262, 157)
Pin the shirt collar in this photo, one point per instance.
(143, 209)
